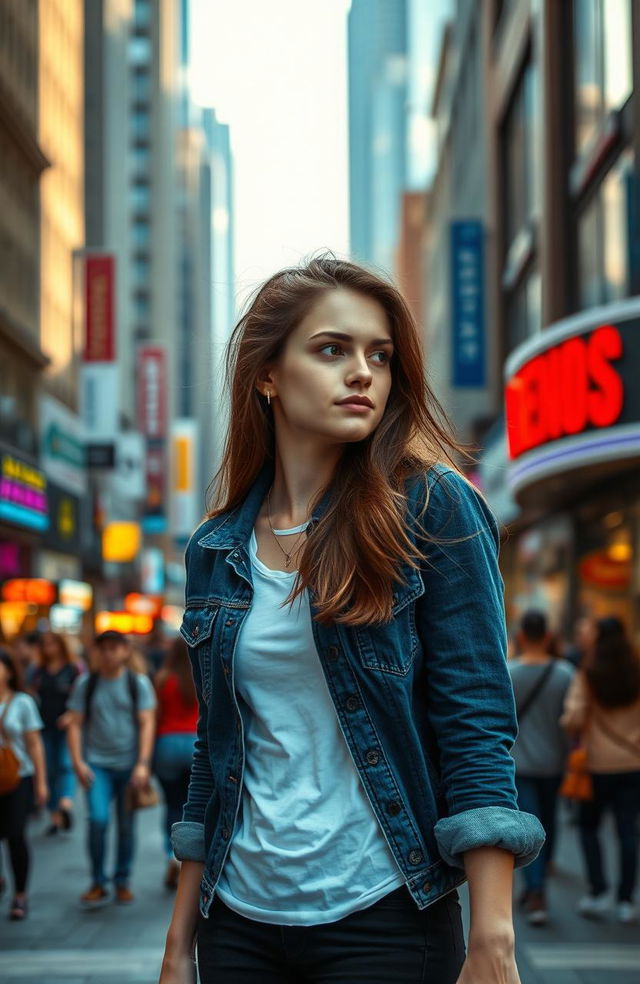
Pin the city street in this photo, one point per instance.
(59, 942)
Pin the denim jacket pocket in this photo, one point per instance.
(196, 630)
(391, 647)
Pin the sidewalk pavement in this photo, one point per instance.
(123, 944)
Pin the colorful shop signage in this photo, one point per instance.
(571, 395)
(23, 494)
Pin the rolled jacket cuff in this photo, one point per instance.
(187, 840)
(490, 826)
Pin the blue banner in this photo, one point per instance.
(467, 303)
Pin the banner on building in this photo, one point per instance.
(467, 303)
(23, 494)
(184, 496)
(94, 278)
(151, 377)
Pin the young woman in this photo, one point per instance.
(177, 720)
(20, 726)
(52, 682)
(603, 706)
(346, 629)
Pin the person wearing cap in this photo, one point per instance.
(111, 741)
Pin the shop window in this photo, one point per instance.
(540, 574)
(605, 560)
(603, 63)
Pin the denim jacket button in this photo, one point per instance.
(393, 809)
(230, 621)
(352, 703)
(225, 833)
(416, 857)
(196, 630)
(332, 652)
(426, 887)
(373, 756)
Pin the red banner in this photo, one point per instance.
(99, 285)
(152, 391)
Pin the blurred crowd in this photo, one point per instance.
(105, 720)
(109, 719)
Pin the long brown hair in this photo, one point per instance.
(177, 662)
(64, 649)
(352, 555)
(612, 666)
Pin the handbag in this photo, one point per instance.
(577, 783)
(142, 797)
(9, 761)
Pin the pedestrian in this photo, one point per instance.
(177, 720)
(51, 683)
(540, 683)
(111, 740)
(603, 708)
(20, 726)
(28, 655)
(345, 622)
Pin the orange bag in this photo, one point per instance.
(577, 783)
(9, 764)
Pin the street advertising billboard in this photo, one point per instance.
(571, 397)
(95, 286)
(184, 496)
(23, 493)
(62, 454)
(468, 336)
(151, 375)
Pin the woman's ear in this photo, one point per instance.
(264, 383)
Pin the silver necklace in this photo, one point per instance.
(292, 553)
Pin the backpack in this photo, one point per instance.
(9, 762)
(134, 692)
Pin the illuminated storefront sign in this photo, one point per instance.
(75, 594)
(120, 542)
(32, 590)
(571, 395)
(23, 494)
(124, 622)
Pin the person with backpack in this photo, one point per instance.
(540, 683)
(110, 738)
(602, 708)
(23, 777)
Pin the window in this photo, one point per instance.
(141, 197)
(141, 157)
(603, 64)
(604, 245)
(139, 50)
(141, 305)
(141, 270)
(141, 84)
(521, 153)
(141, 123)
(141, 232)
(524, 309)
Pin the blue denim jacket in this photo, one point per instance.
(425, 701)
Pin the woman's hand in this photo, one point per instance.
(84, 774)
(177, 968)
(141, 776)
(63, 721)
(490, 962)
(41, 793)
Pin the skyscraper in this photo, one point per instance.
(377, 52)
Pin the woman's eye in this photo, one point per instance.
(332, 349)
(381, 357)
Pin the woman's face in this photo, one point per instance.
(50, 646)
(333, 378)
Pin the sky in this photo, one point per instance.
(276, 72)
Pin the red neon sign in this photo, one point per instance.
(564, 391)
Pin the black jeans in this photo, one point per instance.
(14, 813)
(391, 940)
(619, 791)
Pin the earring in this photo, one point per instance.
(268, 397)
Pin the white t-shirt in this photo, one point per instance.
(23, 715)
(307, 847)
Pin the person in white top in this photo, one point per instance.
(20, 727)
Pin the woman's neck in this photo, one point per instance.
(300, 474)
(5, 693)
(535, 656)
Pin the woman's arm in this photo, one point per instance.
(576, 705)
(146, 730)
(177, 964)
(35, 749)
(491, 946)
